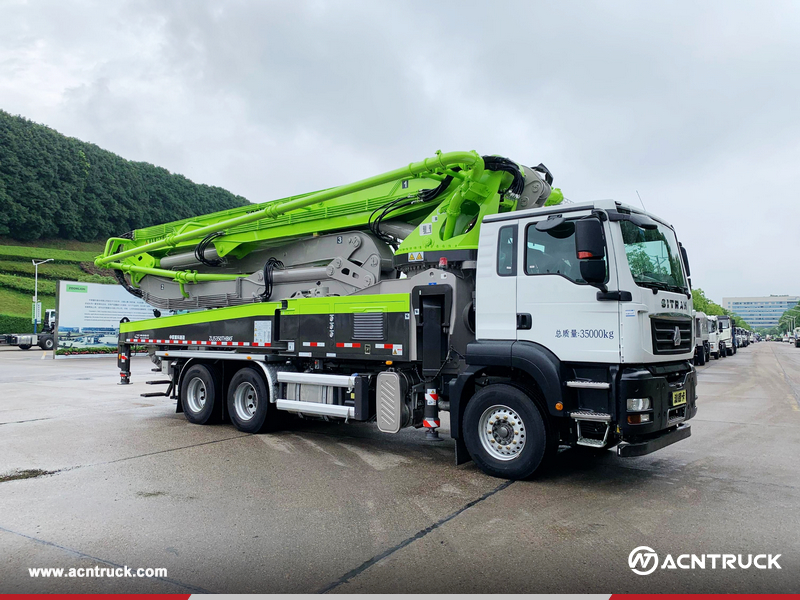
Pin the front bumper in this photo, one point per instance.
(657, 442)
(659, 383)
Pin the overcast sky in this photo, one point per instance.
(694, 104)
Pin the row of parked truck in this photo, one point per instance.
(717, 336)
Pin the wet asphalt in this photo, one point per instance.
(113, 479)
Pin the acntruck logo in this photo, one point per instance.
(643, 560)
(644, 557)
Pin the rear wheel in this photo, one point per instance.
(199, 394)
(249, 407)
(701, 356)
(506, 433)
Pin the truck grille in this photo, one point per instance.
(369, 326)
(664, 335)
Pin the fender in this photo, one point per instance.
(545, 369)
(538, 362)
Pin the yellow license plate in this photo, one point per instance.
(678, 398)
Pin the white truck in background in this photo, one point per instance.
(726, 342)
(702, 349)
(713, 338)
(25, 341)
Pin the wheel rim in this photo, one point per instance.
(502, 432)
(245, 401)
(196, 395)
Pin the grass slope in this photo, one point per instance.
(43, 253)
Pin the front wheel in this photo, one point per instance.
(46, 343)
(506, 434)
(24, 346)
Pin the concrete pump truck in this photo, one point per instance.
(459, 283)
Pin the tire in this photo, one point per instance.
(24, 346)
(199, 387)
(729, 352)
(701, 357)
(716, 355)
(46, 343)
(249, 406)
(522, 423)
(708, 355)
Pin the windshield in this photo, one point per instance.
(654, 257)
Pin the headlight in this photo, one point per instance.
(639, 404)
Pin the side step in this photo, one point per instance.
(589, 385)
(167, 393)
(598, 421)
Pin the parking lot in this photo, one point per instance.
(119, 480)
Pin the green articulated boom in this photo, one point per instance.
(335, 242)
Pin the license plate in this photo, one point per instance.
(679, 398)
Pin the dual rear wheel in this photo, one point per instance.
(247, 398)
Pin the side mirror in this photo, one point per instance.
(593, 272)
(589, 240)
(685, 260)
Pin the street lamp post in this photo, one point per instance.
(36, 291)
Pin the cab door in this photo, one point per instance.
(496, 284)
(565, 314)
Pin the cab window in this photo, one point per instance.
(507, 251)
(552, 252)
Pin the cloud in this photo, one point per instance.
(692, 104)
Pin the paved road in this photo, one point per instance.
(345, 509)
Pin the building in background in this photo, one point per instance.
(763, 311)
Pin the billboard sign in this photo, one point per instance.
(88, 316)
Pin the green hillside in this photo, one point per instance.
(61, 198)
(17, 277)
(53, 186)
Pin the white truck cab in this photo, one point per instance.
(725, 328)
(713, 337)
(702, 349)
(600, 289)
